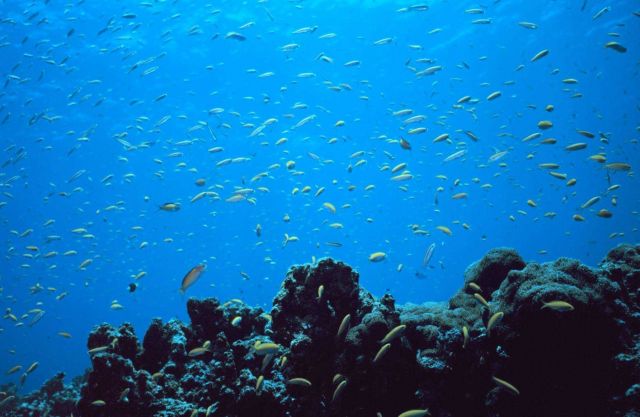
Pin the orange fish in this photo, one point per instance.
(191, 277)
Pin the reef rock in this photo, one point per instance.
(552, 339)
(53, 399)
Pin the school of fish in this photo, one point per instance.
(154, 143)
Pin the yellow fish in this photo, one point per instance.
(558, 305)
(170, 207)
(377, 256)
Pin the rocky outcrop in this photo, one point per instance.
(552, 339)
(53, 399)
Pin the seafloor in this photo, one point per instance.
(543, 340)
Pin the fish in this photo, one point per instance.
(528, 25)
(558, 305)
(235, 35)
(498, 155)
(197, 351)
(98, 349)
(545, 124)
(263, 349)
(304, 121)
(616, 47)
(604, 213)
(445, 230)
(344, 326)
(414, 413)
(414, 119)
(306, 29)
(404, 144)
(393, 334)
(576, 146)
(428, 255)
(507, 385)
(540, 55)
(84, 264)
(170, 207)
(590, 202)
(383, 41)
(416, 130)
(481, 300)
(586, 133)
(399, 167)
(402, 177)
(441, 138)
(494, 95)
(288, 238)
(618, 166)
(336, 393)
(191, 277)
(330, 207)
(402, 112)
(601, 12)
(492, 321)
(381, 352)
(7, 400)
(39, 315)
(301, 382)
(465, 337)
(32, 367)
(377, 256)
(14, 369)
(456, 155)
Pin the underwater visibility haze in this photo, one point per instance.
(154, 151)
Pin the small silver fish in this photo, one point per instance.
(428, 254)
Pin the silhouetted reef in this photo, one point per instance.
(553, 339)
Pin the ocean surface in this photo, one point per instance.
(140, 139)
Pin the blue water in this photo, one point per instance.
(75, 97)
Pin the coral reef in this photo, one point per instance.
(552, 339)
(53, 399)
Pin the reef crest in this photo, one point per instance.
(552, 339)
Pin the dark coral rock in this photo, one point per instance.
(172, 374)
(624, 254)
(122, 341)
(207, 318)
(297, 309)
(163, 343)
(488, 273)
(53, 399)
(309, 326)
(114, 381)
(565, 357)
(622, 265)
(583, 361)
(451, 377)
